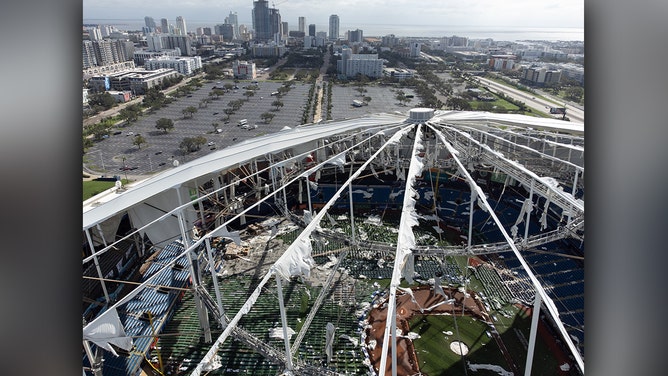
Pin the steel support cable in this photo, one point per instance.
(551, 308)
(301, 237)
(532, 150)
(221, 189)
(400, 257)
(506, 164)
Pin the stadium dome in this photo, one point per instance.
(300, 252)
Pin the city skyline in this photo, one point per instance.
(402, 13)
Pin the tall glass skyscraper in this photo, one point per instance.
(181, 24)
(164, 26)
(150, 23)
(261, 20)
(333, 27)
(233, 20)
(302, 24)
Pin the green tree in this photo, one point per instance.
(228, 112)
(236, 104)
(277, 104)
(457, 103)
(574, 93)
(164, 124)
(192, 144)
(139, 140)
(217, 93)
(125, 115)
(103, 100)
(367, 99)
(248, 94)
(267, 117)
(400, 96)
(215, 126)
(189, 111)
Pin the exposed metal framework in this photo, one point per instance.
(543, 156)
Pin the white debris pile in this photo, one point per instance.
(278, 332)
(489, 367)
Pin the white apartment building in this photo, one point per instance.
(352, 64)
(183, 65)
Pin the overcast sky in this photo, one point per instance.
(484, 13)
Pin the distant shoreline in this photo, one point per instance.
(497, 33)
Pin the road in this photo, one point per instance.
(574, 112)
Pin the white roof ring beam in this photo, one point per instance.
(238, 153)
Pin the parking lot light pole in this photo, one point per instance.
(101, 160)
(126, 170)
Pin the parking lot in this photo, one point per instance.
(110, 155)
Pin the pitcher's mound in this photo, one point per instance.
(459, 348)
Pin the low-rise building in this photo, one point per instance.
(243, 69)
(268, 50)
(540, 75)
(184, 65)
(120, 96)
(135, 81)
(398, 73)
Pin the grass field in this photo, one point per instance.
(94, 187)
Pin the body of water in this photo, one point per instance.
(497, 33)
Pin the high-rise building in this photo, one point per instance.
(164, 25)
(302, 24)
(94, 33)
(233, 20)
(333, 27)
(415, 49)
(89, 58)
(355, 36)
(154, 42)
(311, 30)
(181, 25)
(150, 23)
(276, 25)
(261, 20)
(285, 28)
(226, 31)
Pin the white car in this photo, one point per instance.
(211, 143)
